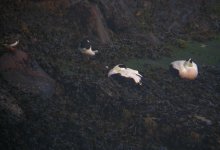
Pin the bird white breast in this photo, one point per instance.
(185, 71)
(14, 44)
(88, 51)
(111, 72)
(190, 73)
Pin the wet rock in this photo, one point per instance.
(153, 39)
(20, 71)
(98, 25)
(120, 14)
(91, 20)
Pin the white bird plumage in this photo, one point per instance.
(11, 47)
(186, 69)
(14, 44)
(126, 72)
(89, 51)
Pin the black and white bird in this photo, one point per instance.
(185, 69)
(121, 70)
(85, 48)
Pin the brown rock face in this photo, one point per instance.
(19, 70)
(9, 105)
(97, 24)
(91, 21)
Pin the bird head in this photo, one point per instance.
(188, 63)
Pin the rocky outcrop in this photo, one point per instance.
(10, 106)
(20, 71)
(90, 20)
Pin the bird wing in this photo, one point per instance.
(178, 64)
(134, 71)
(131, 74)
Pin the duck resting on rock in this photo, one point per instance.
(85, 48)
(121, 71)
(11, 47)
(185, 69)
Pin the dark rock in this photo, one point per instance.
(10, 108)
(154, 40)
(19, 70)
(120, 14)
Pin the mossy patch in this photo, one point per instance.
(206, 53)
(181, 43)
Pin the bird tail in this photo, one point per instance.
(95, 51)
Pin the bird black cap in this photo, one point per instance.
(122, 66)
(85, 44)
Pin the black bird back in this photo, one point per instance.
(173, 71)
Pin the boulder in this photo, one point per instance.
(10, 108)
(90, 21)
(20, 71)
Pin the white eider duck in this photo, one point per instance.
(11, 47)
(85, 48)
(185, 69)
(121, 70)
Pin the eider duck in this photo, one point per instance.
(185, 69)
(11, 47)
(86, 48)
(121, 70)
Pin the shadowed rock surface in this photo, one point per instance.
(20, 71)
(88, 110)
